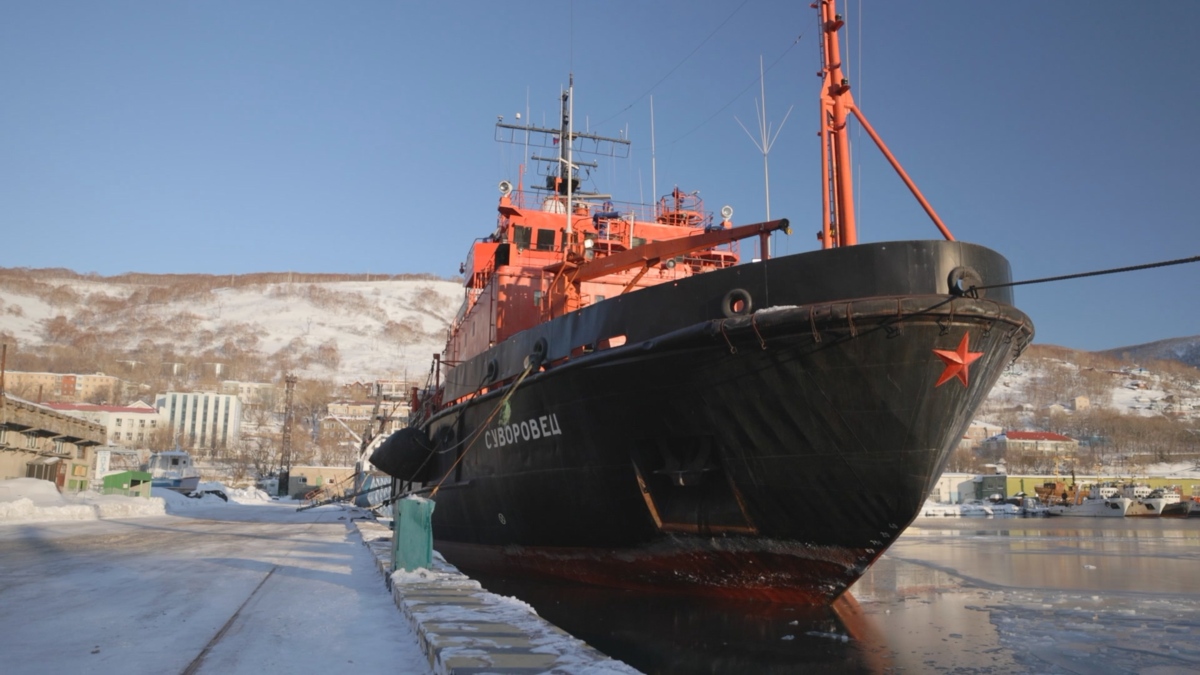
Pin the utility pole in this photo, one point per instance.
(286, 446)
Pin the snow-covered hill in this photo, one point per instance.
(1184, 349)
(339, 330)
(345, 328)
(1056, 380)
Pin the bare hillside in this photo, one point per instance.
(148, 328)
(1185, 350)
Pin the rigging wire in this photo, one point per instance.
(530, 365)
(677, 66)
(1095, 273)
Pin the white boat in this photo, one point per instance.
(1186, 508)
(937, 509)
(1153, 503)
(1136, 492)
(975, 508)
(1099, 507)
(173, 470)
(1032, 507)
(1003, 508)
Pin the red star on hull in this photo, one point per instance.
(956, 361)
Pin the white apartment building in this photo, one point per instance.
(263, 394)
(201, 419)
(125, 426)
(62, 386)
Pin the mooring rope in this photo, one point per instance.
(1080, 275)
(529, 366)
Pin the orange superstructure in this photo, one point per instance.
(556, 249)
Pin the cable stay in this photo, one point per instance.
(1080, 275)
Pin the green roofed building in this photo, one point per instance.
(130, 483)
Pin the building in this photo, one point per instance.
(953, 487)
(128, 483)
(333, 480)
(201, 419)
(387, 389)
(956, 488)
(129, 426)
(256, 394)
(394, 389)
(63, 386)
(977, 433)
(110, 460)
(347, 420)
(38, 442)
(1030, 442)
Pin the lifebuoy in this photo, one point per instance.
(965, 281)
(737, 302)
(538, 355)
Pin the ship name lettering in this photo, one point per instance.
(525, 430)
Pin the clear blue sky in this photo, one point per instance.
(231, 137)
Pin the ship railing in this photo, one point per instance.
(714, 259)
(475, 290)
(628, 211)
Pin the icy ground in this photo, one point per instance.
(92, 583)
(170, 584)
(31, 500)
(1067, 595)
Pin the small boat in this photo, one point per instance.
(933, 509)
(1185, 508)
(1095, 507)
(1153, 503)
(975, 508)
(173, 470)
(1032, 507)
(1004, 508)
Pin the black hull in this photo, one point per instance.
(772, 455)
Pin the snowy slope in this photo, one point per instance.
(1184, 349)
(360, 329)
(338, 330)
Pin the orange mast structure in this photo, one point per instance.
(838, 225)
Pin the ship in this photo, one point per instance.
(625, 400)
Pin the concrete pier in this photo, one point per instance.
(463, 629)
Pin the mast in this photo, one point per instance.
(765, 140)
(838, 225)
(653, 159)
(565, 155)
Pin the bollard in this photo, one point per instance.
(412, 534)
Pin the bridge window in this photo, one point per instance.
(522, 235)
(545, 240)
